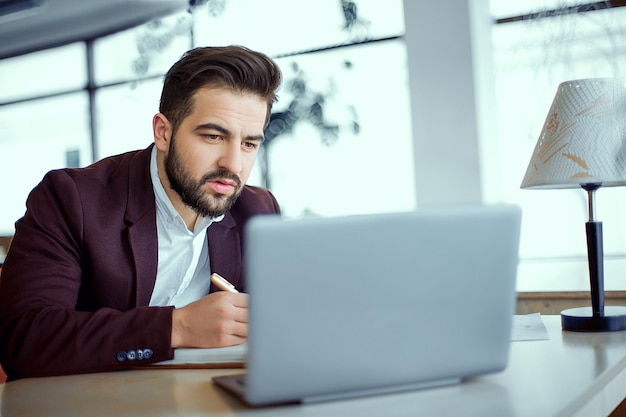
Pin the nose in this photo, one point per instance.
(231, 158)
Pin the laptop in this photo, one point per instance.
(378, 303)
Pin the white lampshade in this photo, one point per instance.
(583, 140)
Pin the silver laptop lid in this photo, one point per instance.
(344, 305)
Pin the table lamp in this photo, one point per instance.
(583, 144)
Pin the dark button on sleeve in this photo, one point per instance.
(147, 353)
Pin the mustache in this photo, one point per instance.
(221, 174)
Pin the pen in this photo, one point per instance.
(221, 282)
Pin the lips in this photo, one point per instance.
(222, 186)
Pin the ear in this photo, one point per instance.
(162, 130)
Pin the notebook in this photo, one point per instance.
(208, 358)
(378, 303)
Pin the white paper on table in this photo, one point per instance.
(528, 327)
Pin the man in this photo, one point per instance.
(109, 267)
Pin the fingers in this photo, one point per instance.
(237, 299)
(235, 318)
(230, 305)
(239, 330)
(219, 319)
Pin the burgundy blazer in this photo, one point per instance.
(81, 268)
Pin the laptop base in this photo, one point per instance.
(236, 385)
(379, 391)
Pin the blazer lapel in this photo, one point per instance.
(142, 229)
(225, 250)
(142, 237)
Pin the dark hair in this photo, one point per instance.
(236, 67)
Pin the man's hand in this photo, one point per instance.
(217, 320)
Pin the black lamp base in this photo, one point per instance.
(582, 319)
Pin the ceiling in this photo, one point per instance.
(32, 25)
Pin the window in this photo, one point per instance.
(329, 47)
(35, 137)
(361, 161)
(52, 71)
(142, 52)
(280, 27)
(124, 113)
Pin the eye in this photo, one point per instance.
(212, 137)
(250, 146)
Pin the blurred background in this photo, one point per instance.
(386, 106)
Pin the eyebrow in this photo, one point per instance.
(226, 132)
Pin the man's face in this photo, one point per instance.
(211, 154)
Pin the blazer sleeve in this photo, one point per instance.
(44, 328)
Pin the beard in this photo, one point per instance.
(190, 190)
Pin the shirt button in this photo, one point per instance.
(121, 356)
(131, 354)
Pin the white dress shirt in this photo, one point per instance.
(183, 265)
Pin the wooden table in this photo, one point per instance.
(571, 374)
